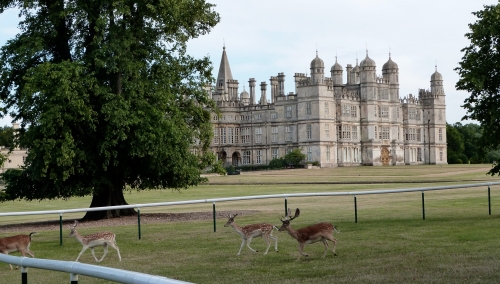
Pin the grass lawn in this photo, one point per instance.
(391, 243)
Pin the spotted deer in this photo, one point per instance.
(104, 239)
(248, 232)
(318, 232)
(19, 243)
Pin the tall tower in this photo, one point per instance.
(434, 109)
(390, 72)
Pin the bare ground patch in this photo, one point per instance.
(146, 218)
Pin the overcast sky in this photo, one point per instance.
(264, 38)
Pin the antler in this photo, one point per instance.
(74, 225)
(297, 213)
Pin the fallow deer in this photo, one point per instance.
(104, 239)
(248, 232)
(20, 243)
(311, 234)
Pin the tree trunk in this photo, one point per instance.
(108, 197)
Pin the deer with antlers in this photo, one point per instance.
(91, 241)
(318, 232)
(19, 243)
(248, 232)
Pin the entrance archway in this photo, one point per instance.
(384, 156)
(223, 157)
(236, 159)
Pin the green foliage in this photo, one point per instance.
(230, 169)
(455, 143)
(479, 73)
(294, 157)
(7, 136)
(107, 96)
(277, 163)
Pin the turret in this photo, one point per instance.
(390, 71)
(336, 73)
(317, 70)
(437, 83)
(367, 70)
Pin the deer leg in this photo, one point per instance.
(9, 263)
(275, 242)
(105, 246)
(301, 250)
(249, 240)
(334, 241)
(326, 246)
(242, 244)
(83, 250)
(30, 253)
(266, 238)
(113, 245)
(93, 254)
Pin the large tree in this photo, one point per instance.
(107, 98)
(479, 73)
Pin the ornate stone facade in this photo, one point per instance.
(360, 122)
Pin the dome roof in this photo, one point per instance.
(356, 68)
(436, 76)
(390, 64)
(367, 62)
(317, 62)
(244, 95)
(336, 66)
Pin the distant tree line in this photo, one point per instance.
(464, 145)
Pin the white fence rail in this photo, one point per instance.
(77, 268)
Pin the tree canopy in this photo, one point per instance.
(479, 72)
(107, 97)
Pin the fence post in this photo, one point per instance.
(286, 206)
(73, 278)
(215, 218)
(139, 221)
(60, 229)
(489, 200)
(24, 275)
(355, 210)
(423, 206)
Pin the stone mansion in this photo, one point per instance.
(362, 121)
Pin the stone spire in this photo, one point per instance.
(224, 72)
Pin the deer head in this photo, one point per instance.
(286, 220)
(73, 232)
(231, 220)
